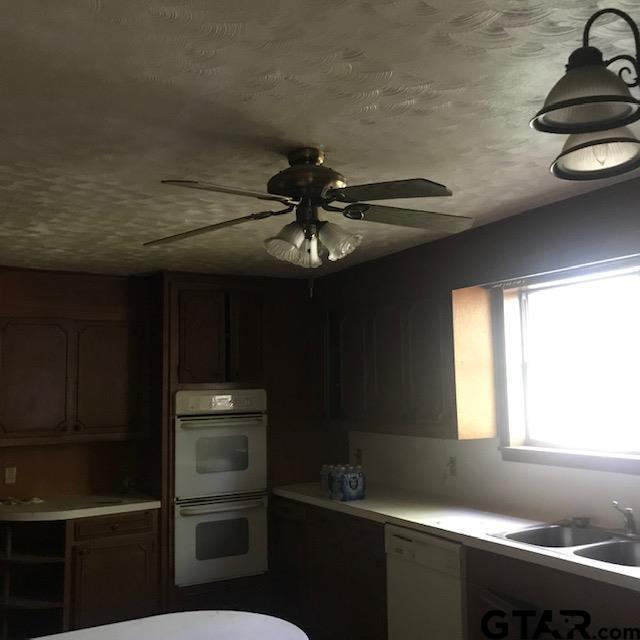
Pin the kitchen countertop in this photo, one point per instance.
(70, 507)
(468, 526)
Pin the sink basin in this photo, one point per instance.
(555, 535)
(625, 552)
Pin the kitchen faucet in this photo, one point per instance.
(630, 526)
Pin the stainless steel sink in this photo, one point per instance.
(626, 552)
(555, 535)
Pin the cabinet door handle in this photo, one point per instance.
(83, 551)
(115, 527)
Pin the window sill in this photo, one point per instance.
(613, 462)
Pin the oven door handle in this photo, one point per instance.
(236, 506)
(213, 423)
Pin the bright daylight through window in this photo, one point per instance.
(573, 363)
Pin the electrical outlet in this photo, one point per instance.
(358, 455)
(452, 466)
(10, 475)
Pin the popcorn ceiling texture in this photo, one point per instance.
(103, 98)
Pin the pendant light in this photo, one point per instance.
(603, 154)
(589, 97)
(594, 105)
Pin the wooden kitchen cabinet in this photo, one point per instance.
(114, 569)
(65, 380)
(34, 377)
(202, 336)
(219, 336)
(106, 370)
(333, 565)
(245, 344)
(499, 583)
(416, 367)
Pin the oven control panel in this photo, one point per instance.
(208, 401)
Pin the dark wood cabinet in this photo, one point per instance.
(114, 569)
(498, 586)
(330, 571)
(388, 331)
(62, 380)
(245, 328)
(396, 367)
(202, 336)
(352, 369)
(106, 361)
(430, 364)
(34, 377)
(219, 337)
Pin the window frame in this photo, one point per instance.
(515, 445)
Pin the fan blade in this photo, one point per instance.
(414, 188)
(407, 217)
(237, 191)
(208, 228)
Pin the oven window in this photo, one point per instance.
(222, 453)
(222, 538)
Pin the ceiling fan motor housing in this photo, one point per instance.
(306, 177)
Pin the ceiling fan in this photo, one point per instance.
(305, 186)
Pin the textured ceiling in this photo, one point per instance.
(103, 98)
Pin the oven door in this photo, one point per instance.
(217, 455)
(219, 540)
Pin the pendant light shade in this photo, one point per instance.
(286, 245)
(589, 97)
(338, 242)
(589, 156)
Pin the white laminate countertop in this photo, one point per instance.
(71, 507)
(468, 526)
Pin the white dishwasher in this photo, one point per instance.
(424, 586)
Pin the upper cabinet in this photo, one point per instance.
(202, 344)
(63, 380)
(73, 357)
(416, 367)
(34, 377)
(219, 335)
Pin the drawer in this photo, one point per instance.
(117, 525)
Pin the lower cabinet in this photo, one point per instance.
(114, 569)
(329, 571)
(511, 599)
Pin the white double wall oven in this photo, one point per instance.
(220, 509)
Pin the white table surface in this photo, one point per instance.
(192, 625)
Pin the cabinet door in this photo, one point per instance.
(34, 359)
(430, 366)
(106, 361)
(387, 338)
(288, 556)
(245, 315)
(114, 579)
(352, 347)
(202, 336)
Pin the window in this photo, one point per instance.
(572, 362)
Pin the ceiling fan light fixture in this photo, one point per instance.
(338, 242)
(590, 156)
(589, 97)
(308, 255)
(287, 244)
